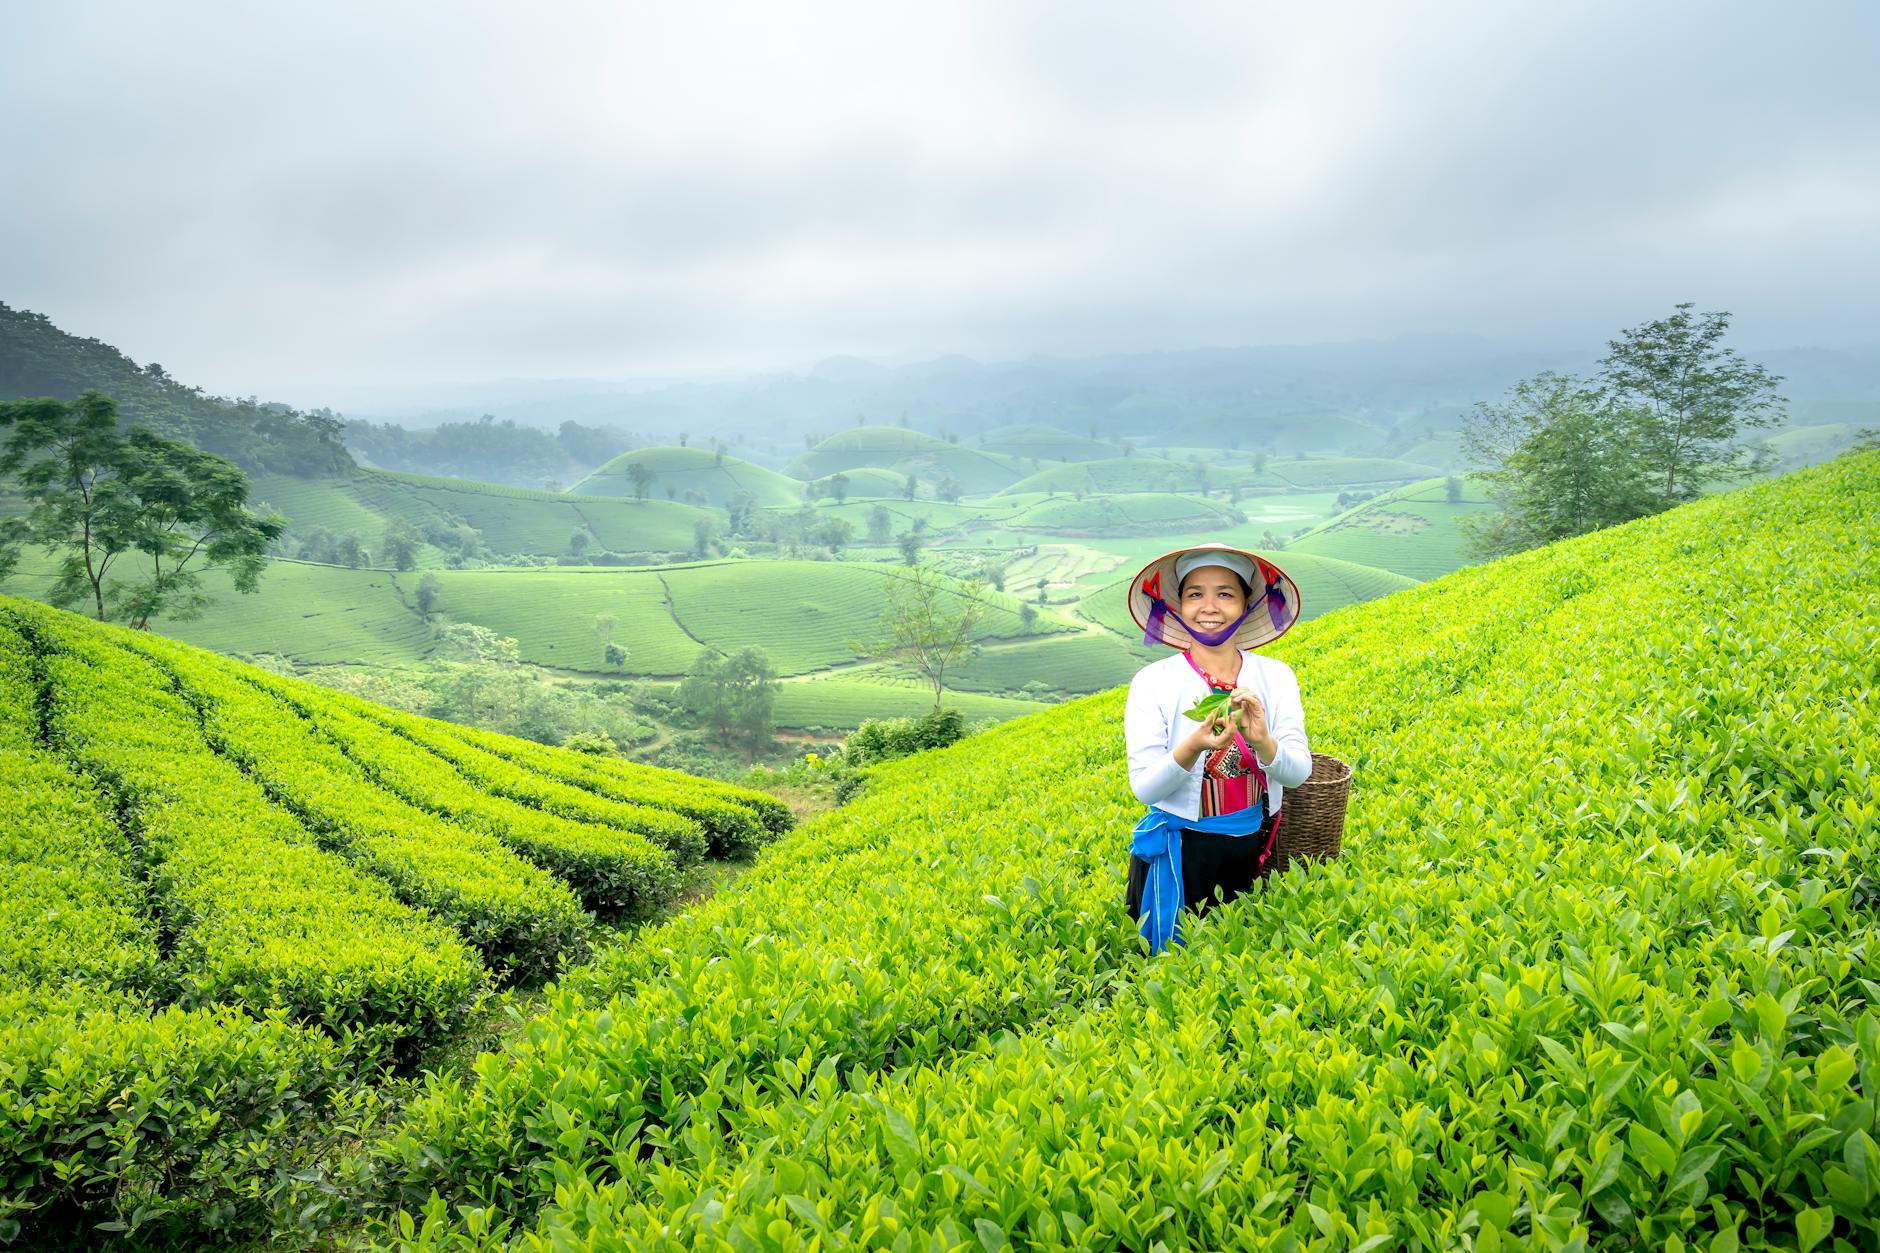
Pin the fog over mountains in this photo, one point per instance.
(1428, 381)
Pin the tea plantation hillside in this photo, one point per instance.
(1597, 969)
(1412, 530)
(511, 520)
(716, 477)
(909, 452)
(228, 895)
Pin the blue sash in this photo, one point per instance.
(1157, 839)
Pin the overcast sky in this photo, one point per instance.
(266, 197)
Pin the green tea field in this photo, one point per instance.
(1411, 530)
(1596, 970)
(511, 520)
(230, 894)
(716, 477)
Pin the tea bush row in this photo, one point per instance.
(736, 820)
(518, 915)
(256, 913)
(610, 869)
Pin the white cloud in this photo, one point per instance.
(259, 196)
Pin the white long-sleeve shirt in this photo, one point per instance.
(1153, 724)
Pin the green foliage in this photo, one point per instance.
(171, 1126)
(230, 896)
(1663, 419)
(734, 693)
(1688, 400)
(887, 739)
(519, 917)
(233, 877)
(488, 450)
(1560, 463)
(96, 494)
(1598, 973)
(928, 625)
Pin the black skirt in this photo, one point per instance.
(1210, 863)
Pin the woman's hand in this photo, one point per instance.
(1217, 732)
(1251, 713)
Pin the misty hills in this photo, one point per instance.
(1385, 395)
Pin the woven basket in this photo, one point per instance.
(1312, 819)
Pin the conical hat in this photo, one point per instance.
(1275, 604)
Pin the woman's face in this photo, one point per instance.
(1212, 597)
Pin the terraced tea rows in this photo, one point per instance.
(1596, 970)
(227, 890)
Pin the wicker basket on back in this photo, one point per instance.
(1312, 815)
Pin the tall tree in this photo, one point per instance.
(190, 504)
(927, 624)
(96, 493)
(1688, 400)
(735, 693)
(401, 542)
(641, 476)
(1556, 461)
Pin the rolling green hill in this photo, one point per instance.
(1412, 530)
(1125, 513)
(908, 452)
(1807, 445)
(802, 613)
(716, 477)
(1596, 969)
(1315, 432)
(1047, 443)
(1145, 474)
(231, 893)
(513, 520)
(1321, 472)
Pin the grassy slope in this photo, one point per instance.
(1144, 473)
(1155, 512)
(692, 469)
(512, 519)
(1622, 937)
(1411, 530)
(904, 452)
(1047, 443)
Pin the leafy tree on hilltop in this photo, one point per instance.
(1687, 401)
(1562, 456)
(1559, 465)
(95, 493)
(927, 624)
(642, 479)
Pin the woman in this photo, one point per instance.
(1213, 787)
